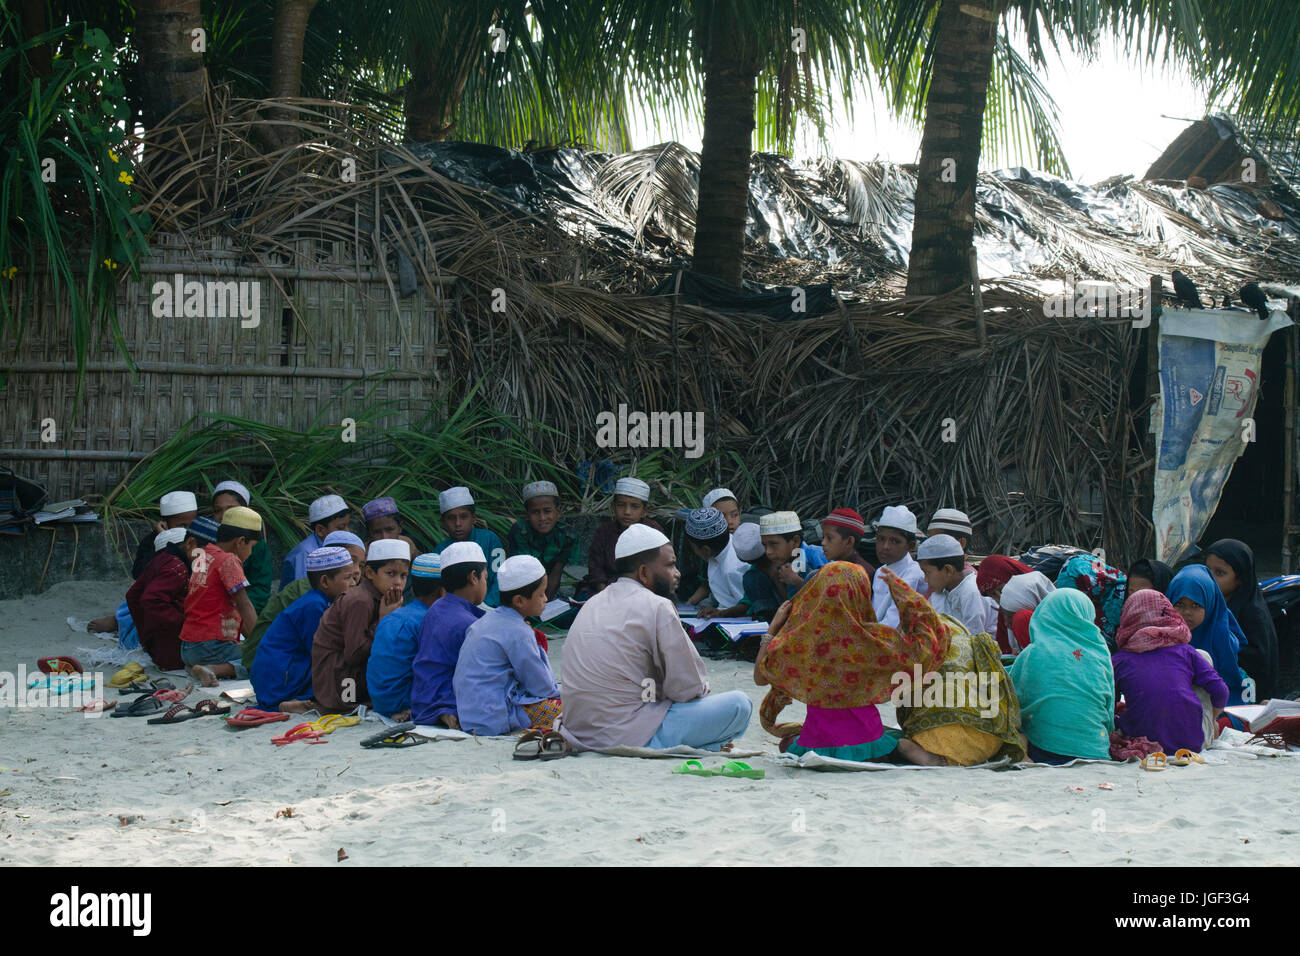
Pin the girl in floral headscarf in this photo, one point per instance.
(827, 649)
(1105, 587)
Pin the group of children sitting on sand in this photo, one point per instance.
(460, 649)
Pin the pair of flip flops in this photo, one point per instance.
(542, 745)
(1181, 758)
(732, 768)
(252, 717)
(396, 737)
(314, 731)
(145, 686)
(146, 705)
(178, 713)
(60, 665)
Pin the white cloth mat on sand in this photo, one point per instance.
(815, 761)
(1231, 745)
(672, 752)
(438, 733)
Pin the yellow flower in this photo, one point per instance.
(110, 264)
(125, 177)
(112, 155)
(10, 272)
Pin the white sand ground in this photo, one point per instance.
(199, 793)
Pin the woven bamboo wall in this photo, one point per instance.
(316, 337)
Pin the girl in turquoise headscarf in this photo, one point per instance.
(1196, 596)
(1065, 682)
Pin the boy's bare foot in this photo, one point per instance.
(297, 706)
(204, 676)
(913, 752)
(102, 625)
(449, 721)
(726, 748)
(402, 716)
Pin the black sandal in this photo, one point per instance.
(395, 737)
(146, 705)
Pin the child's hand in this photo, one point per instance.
(780, 617)
(391, 600)
(707, 612)
(160, 526)
(789, 575)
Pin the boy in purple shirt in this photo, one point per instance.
(1172, 693)
(464, 578)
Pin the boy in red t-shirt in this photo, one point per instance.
(217, 607)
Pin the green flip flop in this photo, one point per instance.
(735, 768)
(695, 769)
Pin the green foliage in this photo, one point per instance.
(79, 227)
(408, 450)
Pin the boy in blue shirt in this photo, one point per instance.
(389, 670)
(457, 516)
(327, 513)
(464, 579)
(504, 681)
(281, 671)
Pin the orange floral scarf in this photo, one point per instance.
(833, 653)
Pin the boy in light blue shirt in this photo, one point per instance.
(389, 670)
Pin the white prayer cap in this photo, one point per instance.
(518, 571)
(1024, 592)
(343, 539)
(633, 488)
(177, 503)
(325, 507)
(717, 494)
(900, 517)
(458, 497)
(536, 489)
(170, 536)
(939, 546)
(234, 488)
(638, 538)
(950, 520)
(388, 549)
(746, 542)
(462, 552)
(779, 522)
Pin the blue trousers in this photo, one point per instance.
(706, 723)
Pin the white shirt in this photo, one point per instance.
(883, 602)
(727, 577)
(964, 602)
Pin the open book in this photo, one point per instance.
(1260, 717)
(732, 628)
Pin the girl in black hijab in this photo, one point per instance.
(1156, 574)
(1233, 565)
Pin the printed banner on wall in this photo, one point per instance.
(1209, 381)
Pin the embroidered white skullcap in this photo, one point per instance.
(235, 488)
(324, 507)
(177, 503)
(536, 489)
(747, 543)
(327, 559)
(518, 571)
(633, 488)
(458, 497)
(717, 494)
(939, 546)
(387, 549)
(462, 552)
(638, 538)
(779, 522)
(170, 536)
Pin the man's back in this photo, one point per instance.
(626, 660)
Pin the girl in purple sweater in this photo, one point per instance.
(1172, 692)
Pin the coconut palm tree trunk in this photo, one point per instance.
(731, 72)
(437, 79)
(164, 40)
(286, 46)
(944, 227)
